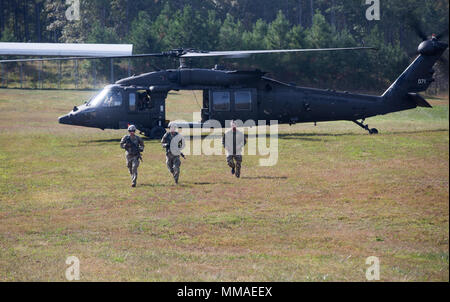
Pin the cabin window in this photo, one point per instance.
(113, 99)
(144, 101)
(221, 101)
(242, 100)
(132, 101)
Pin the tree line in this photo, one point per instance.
(160, 25)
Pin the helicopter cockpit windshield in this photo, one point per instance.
(108, 97)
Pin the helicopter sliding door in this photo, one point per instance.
(146, 109)
(236, 104)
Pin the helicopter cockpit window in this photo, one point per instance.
(98, 99)
(106, 98)
(242, 100)
(113, 99)
(221, 101)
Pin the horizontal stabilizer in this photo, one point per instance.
(419, 100)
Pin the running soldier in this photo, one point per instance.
(173, 142)
(133, 145)
(234, 141)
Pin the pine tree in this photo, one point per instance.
(230, 35)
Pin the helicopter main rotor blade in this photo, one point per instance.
(416, 25)
(246, 53)
(84, 58)
(188, 54)
(442, 34)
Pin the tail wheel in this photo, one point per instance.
(157, 132)
(373, 131)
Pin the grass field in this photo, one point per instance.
(336, 197)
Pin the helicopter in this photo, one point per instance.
(246, 95)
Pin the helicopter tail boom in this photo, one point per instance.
(419, 74)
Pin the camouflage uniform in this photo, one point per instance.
(234, 141)
(133, 147)
(173, 153)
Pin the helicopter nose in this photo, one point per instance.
(65, 119)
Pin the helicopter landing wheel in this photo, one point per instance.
(366, 127)
(157, 132)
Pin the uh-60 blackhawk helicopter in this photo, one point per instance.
(246, 95)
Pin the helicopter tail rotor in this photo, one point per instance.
(430, 45)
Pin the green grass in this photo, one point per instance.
(336, 197)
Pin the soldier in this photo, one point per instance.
(173, 142)
(133, 145)
(233, 141)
